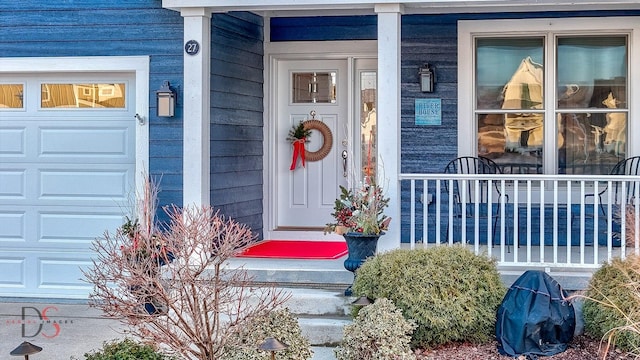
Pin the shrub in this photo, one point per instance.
(279, 324)
(451, 293)
(126, 349)
(172, 284)
(380, 332)
(612, 305)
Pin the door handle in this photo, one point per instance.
(345, 154)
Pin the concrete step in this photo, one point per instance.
(323, 353)
(313, 302)
(321, 331)
(322, 314)
(316, 288)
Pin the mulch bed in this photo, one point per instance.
(581, 348)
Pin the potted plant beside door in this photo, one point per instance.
(360, 219)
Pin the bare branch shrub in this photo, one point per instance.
(172, 287)
(612, 300)
(632, 236)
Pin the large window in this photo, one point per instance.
(553, 99)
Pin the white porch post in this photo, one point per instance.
(196, 100)
(389, 21)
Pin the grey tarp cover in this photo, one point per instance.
(535, 318)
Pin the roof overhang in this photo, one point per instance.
(355, 7)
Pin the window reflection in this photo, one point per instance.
(82, 95)
(592, 73)
(510, 79)
(368, 123)
(314, 87)
(591, 110)
(513, 141)
(11, 96)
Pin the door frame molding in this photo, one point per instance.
(304, 50)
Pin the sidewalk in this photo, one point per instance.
(72, 329)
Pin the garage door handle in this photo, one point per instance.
(139, 118)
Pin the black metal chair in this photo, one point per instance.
(628, 166)
(474, 165)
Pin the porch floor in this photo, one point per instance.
(331, 274)
(321, 274)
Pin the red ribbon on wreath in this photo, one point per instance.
(298, 150)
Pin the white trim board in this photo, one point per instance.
(323, 7)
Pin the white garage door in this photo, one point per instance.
(67, 160)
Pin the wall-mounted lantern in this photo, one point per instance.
(167, 99)
(427, 78)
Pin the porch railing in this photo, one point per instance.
(525, 221)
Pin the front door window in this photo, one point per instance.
(368, 124)
(314, 87)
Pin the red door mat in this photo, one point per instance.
(295, 249)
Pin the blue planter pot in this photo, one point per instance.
(360, 247)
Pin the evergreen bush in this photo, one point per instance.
(279, 324)
(451, 293)
(126, 349)
(379, 332)
(612, 304)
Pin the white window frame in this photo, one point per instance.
(468, 30)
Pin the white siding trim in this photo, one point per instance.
(319, 7)
(197, 113)
(389, 104)
(137, 64)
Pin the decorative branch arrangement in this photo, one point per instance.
(173, 287)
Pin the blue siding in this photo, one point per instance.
(433, 39)
(425, 38)
(236, 117)
(33, 28)
(324, 28)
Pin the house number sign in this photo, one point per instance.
(191, 47)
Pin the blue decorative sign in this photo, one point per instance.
(428, 112)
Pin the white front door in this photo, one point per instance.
(311, 89)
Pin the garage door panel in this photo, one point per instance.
(13, 271)
(56, 227)
(85, 143)
(13, 184)
(66, 184)
(84, 185)
(64, 272)
(77, 229)
(13, 142)
(66, 176)
(77, 142)
(12, 226)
